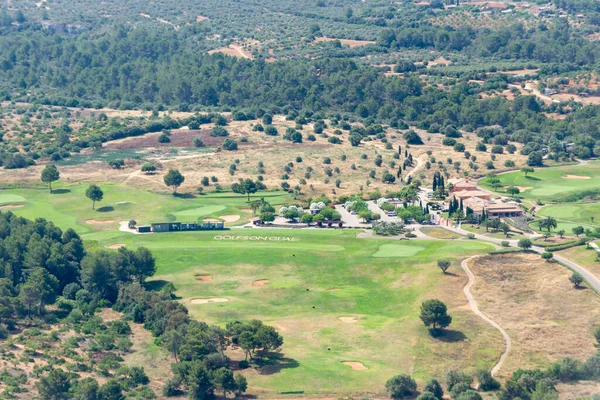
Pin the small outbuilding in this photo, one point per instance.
(144, 229)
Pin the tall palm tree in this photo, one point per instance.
(548, 223)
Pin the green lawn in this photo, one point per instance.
(569, 216)
(68, 207)
(315, 277)
(380, 282)
(490, 233)
(552, 184)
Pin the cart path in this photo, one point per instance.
(475, 308)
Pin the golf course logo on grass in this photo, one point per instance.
(257, 238)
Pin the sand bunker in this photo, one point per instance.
(229, 218)
(348, 320)
(115, 246)
(355, 365)
(95, 222)
(576, 177)
(211, 220)
(524, 188)
(203, 278)
(11, 206)
(211, 300)
(260, 283)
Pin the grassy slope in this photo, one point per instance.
(68, 207)
(381, 282)
(550, 184)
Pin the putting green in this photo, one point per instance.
(11, 199)
(398, 250)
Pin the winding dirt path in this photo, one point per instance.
(418, 166)
(473, 304)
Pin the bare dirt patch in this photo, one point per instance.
(96, 222)
(260, 283)
(201, 18)
(211, 300)
(229, 218)
(11, 206)
(348, 320)
(203, 278)
(513, 288)
(115, 246)
(520, 72)
(345, 42)
(355, 365)
(234, 50)
(577, 177)
(439, 61)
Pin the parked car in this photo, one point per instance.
(392, 214)
(353, 212)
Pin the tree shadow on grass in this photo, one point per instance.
(184, 195)
(157, 285)
(272, 363)
(105, 209)
(61, 191)
(532, 178)
(451, 336)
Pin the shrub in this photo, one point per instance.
(219, 131)
(164, 138)
(412, 137)
(198, 142)
(487, 381)
(505, 243)
(470, 236)
(230, 145)
(270, 130)
(449, 142)
(171, 388)
(401, 386)
(3, 332)
(434, 387)
(497, 149)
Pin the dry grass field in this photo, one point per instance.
(545, 316)
(275, 153)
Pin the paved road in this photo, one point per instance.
(475, 308)
(349, 219)
(374, 208)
